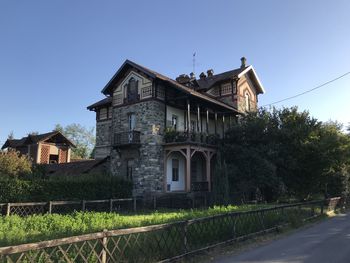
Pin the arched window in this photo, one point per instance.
(132, 90)
(247, 101)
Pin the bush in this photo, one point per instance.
(14, 164)
(65, 188)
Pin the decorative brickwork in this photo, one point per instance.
(45, 153)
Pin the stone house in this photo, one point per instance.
(162, 133)
(46, 148)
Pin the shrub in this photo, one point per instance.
(64, 188)
(14, 164)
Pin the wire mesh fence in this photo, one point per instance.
(66, 207)
(161, 242)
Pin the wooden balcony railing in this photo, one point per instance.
(199, 186)
(127, 138)
(176, 136)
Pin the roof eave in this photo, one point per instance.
(251, 68)
(130, 63)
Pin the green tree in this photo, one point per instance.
(82, 137)
(13, 164)
(287, 152)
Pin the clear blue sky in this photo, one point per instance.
(57, 55)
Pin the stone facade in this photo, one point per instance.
(103, 138)
(148, 163)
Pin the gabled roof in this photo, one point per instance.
(104, 102)
(208, 82)
(155, 75)
(32, 139)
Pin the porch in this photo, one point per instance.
(188, 167)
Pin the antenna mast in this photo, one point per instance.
(194, 63)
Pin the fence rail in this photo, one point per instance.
(161, 242)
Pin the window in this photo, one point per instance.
(174, 122)
(175, 174)
(247, 101)
(132, 121)
(226, 89)
(132, 90)
(129, 166)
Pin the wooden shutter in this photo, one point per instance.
(45, 154)
(62, 155)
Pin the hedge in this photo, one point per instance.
(24, 190)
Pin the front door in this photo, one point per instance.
(175, 173)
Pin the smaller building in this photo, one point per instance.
(51, 147)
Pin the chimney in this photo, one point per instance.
(243, 61)
(202, 75)
(210, 72)
(183, 79)
(192, 76)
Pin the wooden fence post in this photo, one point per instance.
(83, 203)
(104, 246)
(50, 207)
(8, 209)
(110, 205)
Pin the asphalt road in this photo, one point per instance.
(328, 241)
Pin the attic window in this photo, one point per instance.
(226, 89)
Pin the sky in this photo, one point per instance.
(57, 55)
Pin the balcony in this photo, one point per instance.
(172, 136)
(127, 138)
(199, 187)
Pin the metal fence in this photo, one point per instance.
(152, 202)
(65, 207)
(162, 242)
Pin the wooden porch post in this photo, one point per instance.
(207, 122)
(216, 122)
(188, 117)
(188, 169)
(223, 125)
(208, 171)
(198, 117)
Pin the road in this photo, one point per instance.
(328, 241)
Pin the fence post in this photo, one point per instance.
(50, 207)
(83, 203)
(110, 205)
(104, 246)
(185, 225)
(134, 204)
(322, 207)
(8, 209)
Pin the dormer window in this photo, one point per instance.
(226, 89)
(247, 101)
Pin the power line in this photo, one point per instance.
(307, 91)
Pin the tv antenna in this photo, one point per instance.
(194, 63)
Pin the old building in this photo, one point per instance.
(163, 133)
(45, 148)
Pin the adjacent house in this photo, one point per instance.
(45, 148)
(162, 133)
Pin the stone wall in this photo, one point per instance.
(148, 168)
(103, 139)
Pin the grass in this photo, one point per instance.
(18, 230)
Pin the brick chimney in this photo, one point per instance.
(243, 62)
(210, 72)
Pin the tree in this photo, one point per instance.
(82, 137)
(287, 152)
(14, 164)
